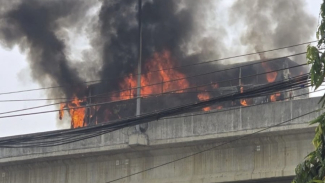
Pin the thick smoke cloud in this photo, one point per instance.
(175, 25)
(178, 26)
(274, 23)
(167, 25)
(118, 37)
(34, 26)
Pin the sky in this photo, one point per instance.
(15, 76)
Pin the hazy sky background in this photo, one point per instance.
(15, 76)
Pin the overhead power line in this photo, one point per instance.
(153, 95)
(266, 93)
(236, 108)
(68, 136)
(198, 63)
(213, 72)
(161, 83)
(103, 132)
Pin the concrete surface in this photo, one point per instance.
(138, 139)
(269, 156)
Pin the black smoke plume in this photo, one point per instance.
(34, 26)
(178, 26)
(167, 25)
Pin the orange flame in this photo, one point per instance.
(271, 76)
(202, 97)
(274, 97)
(154, 82)
(126, 91)
(77, 115)
(243, 102)
(206, 109)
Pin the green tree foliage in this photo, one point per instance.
(313, 168)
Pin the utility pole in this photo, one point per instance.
(139, 64)
(139, 138)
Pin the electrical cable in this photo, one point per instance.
(202, 114)
(168, 81)
(217, 82)
(219, 145)
(104, 103)
(133, 121)
(230, 109)
(79, 139)
(235, 108)
(204, 62)
(194, 76)
(214, 147)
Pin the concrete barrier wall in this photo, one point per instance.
(263, 157)
(235, 120)
(181, 130)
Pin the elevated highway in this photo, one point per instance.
(269, 156)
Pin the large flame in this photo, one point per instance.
(156, 82)
(271, 76)
(151, 83)
(127, 89)
(77, 115)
